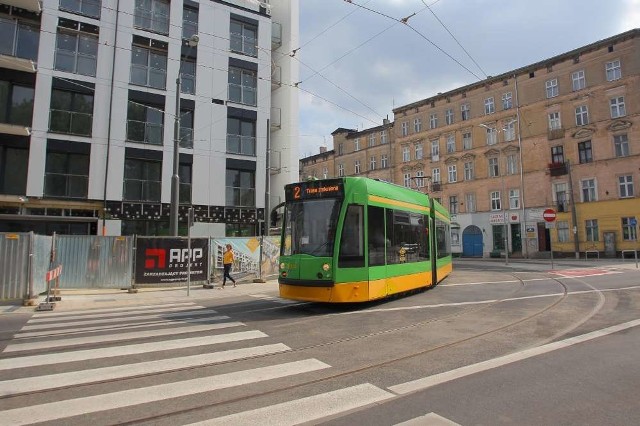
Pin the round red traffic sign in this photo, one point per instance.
(549, 215)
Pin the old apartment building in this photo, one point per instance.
(90, 91)
(559, 134)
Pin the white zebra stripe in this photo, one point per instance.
(105, 313)
(141, 348)
(126, 398)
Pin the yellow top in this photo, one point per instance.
(227, 257)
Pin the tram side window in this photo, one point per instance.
(376, 235)
(408, 234)
(352, 238)
(443, 242)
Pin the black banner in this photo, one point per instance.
(166, 260)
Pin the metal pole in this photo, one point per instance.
(175, 179)
(504, 215)
(574, 214)
(523, 219)
(190, 222)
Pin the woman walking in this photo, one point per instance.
(227, 262)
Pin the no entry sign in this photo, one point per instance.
(549, 215)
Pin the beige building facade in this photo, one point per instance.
(561, 134)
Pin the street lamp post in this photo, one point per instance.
(175, 178)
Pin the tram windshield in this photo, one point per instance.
(309, 227)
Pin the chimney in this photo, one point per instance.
(323, 149)
(385, 120)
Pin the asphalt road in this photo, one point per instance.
(492, 344)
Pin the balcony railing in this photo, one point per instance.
(186, 137)
(276, 35)
(436, 187)
(244, 145)
(144, 132)
(72, 123)
(555, 134)
(558, 169)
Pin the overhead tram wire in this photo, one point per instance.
(405, 22)
(454, 37)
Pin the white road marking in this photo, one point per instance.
(48, 344)
(141, 348)
(52, 381)
(125, 318)
(127, 398)
(113, 327)
(431, 419)
(305, 409)
(274, 299)
(105, 313)
(436, 379)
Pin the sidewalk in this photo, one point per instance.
(80, 299)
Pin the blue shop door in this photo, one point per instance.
(472, 242)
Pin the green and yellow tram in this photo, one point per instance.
(356, 239)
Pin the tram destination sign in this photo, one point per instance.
(329, 188)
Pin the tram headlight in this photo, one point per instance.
(326, 267)
(282, 266)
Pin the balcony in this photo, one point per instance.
(555, 134)
(558, 169)
(276, 118)
(30, 5)
(276, 76)
(436, 187)
(276, 35)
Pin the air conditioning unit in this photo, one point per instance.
(266, 7)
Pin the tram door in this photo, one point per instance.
(377, 248)
(472, 241)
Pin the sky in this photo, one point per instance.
(358, 63)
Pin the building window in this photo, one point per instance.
(551, 87)
(66, 175)
(144, 123)
(372, 163)
(489, 106)
(384, 161)
(448, 116)
(420, 179)
(418, 153)
(148, 67)
(468, 170)
(186, 128)
(241, 188)
(14, 162)
(340, 149)
(356, 144)
(83, 7)
(142, 180)
(591, 229)
(435, 175)
(243, 85)
(453, 173)
(509, 131)
(496, 203)
(494, 167)
(629, 232)
(152, 15)
(467, 142)
(492, 135)
(21, 38)
(405, 128)
(383, 137)
(554, 121)
(451, 144)
(561, 196)
(356, 168)
(512, 164)
(465, 112)
(187, 75)
(514, 199)
(578, 81)
(435, 150)
(76, 52)
(325, 172)
(372, 140)
(617, 107)
(417, 125)
(406, 155)
(189, 22)
(244, 38)
(563, 231)
(625, 186)
(507, 100)
(241, 136)
(585, 155)
(613, 70)
(71, 113)
(621, 145)
(16, 104)
(340, 170)
(407, 180)
(588, 190)
(185, 172)
(557, 154)
(453, 204)
(470, 200)
(582, 115)
(433, 121)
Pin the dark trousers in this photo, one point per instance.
(227, 269)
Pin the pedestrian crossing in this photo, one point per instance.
(81, 364)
